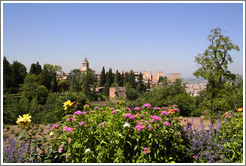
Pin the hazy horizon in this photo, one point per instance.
(125, 36)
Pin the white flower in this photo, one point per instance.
(120, 136)
(51, 133)
(118, 110)
(87, 150)
(126, 125)
(112, 142)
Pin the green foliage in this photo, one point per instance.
(102, 135)
(214, 65)
(132, 94)
(45, 77)
(75, 83)
(63, 86)
(7, 80)
(117, 79)
(18, 73)
(102, 77)
(35, 69)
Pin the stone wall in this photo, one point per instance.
(172, 77)
(117, 92)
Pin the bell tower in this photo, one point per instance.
(85, 65)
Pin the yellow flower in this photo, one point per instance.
(67, 104)
(52, 133)
(24, 121)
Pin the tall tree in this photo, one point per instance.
(102, 77)
(117, 78)
(54, 82)
(214, 64)
(87, 82)
(122, 79)
(18, 73)
(131, 80)
(7, 80)
(33, 69)
(141, 87)
(45, 77)
(75, 83)
(109, 77)
(39, 69)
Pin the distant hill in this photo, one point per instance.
(193, 80)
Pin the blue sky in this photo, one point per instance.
(142, 37)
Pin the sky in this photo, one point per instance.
(125, 36)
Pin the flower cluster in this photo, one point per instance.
(24, 121)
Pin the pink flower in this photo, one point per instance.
(65, 128)
(83, 123)
(155, 118)
(60, 149)
(128, 115)
(75, 125)
(96, 107)
(146, 121)
(147, 105)
(164, 113)
(163, 107)
(146, 151)
(70, 129)
(166, 123)
(55, 126)
(157, 108)
(137, 108)
(149, 127)
(78, 112)
(100, 124)
(112, 108)
(128, 109)
(228, 116)
(68, 119)
(145, 148)
(139, 127)
(73, 119)
(113, 112)
(139, 123)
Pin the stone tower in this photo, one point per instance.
(85, 65)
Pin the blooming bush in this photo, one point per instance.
(118, 135)
(221, 144)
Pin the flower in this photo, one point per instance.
(24, 121)
(172, 111)
(96, 107)
(52, 133)
(240, 109)
(136, 108)
(126, 125)
(147, 105)
(128, 115)
(145, 148)
(78, 112)
(164, 113)
(157, 108)
(60, 149)
(100, 124)
(83, 123)
(228, 116)
(67, 104)
(120, 136)
(68, 119)
(166, 123)
(65, 128)
(86, 106)
(55, 126)
(139, 127)
(113, 112)
(87, 150)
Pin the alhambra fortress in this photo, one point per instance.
(120, 91)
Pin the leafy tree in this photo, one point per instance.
(102, 77)
(35, 69)
(86, 83)
(76, 79)
(126, 78)
(7, 80)
(132, 94)
(18, 73)
(63, 85)
(45, 77)
(214, 64)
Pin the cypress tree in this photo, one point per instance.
(131, 80)
(33, 69)
(7, 80)
(54, 83)
(117, 78)
(39, 69)
(102, 77)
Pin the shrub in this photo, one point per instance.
(118, 135)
